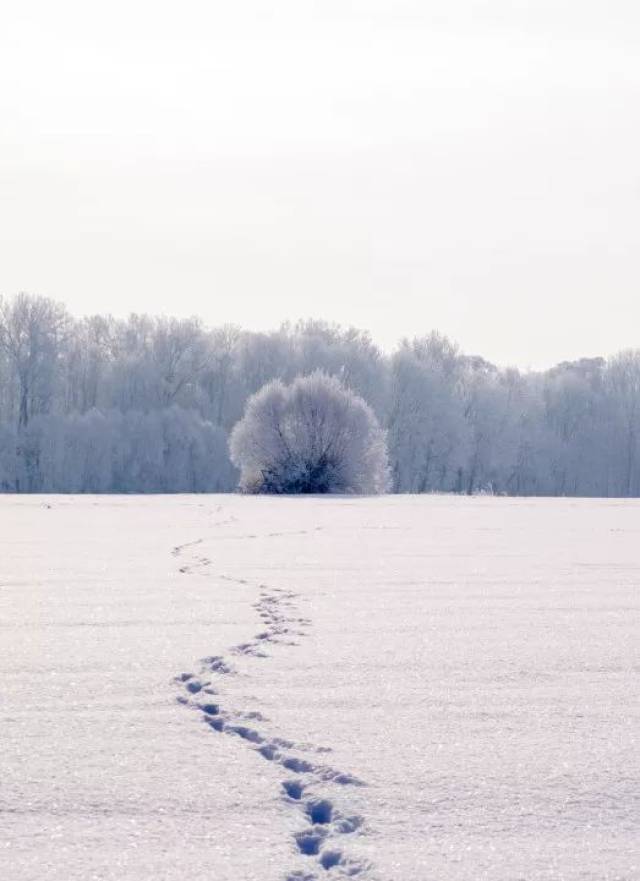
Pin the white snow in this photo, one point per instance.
(447, 686)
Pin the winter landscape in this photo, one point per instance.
(320, 440)
(304, 688)
(319, 676)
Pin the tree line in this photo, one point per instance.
(147, 404)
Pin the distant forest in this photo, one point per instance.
(146, 404)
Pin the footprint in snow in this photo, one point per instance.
(325, 822)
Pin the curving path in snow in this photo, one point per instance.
(251, 689)
(306, 783)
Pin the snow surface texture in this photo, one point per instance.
(391, 689)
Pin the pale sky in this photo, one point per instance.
(471, 166)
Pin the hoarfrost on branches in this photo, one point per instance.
(313, 436)
(147, 404)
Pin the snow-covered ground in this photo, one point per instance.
(263, 689)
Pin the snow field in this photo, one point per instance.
(386, 688)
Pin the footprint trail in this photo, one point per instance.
(307, 783)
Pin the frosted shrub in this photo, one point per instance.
(313, 436)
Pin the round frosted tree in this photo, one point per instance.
(313, 436)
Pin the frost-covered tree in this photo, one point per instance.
(427, 431)
(147, 403)
(312, 436)
(624, 389)
(32, 334)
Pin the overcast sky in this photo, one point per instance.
(401, 165)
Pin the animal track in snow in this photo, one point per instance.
(309, 841)
(307, 791)
(179, 549)
(216, 664)
(320, 811)
(198, 562)
(293, 788)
